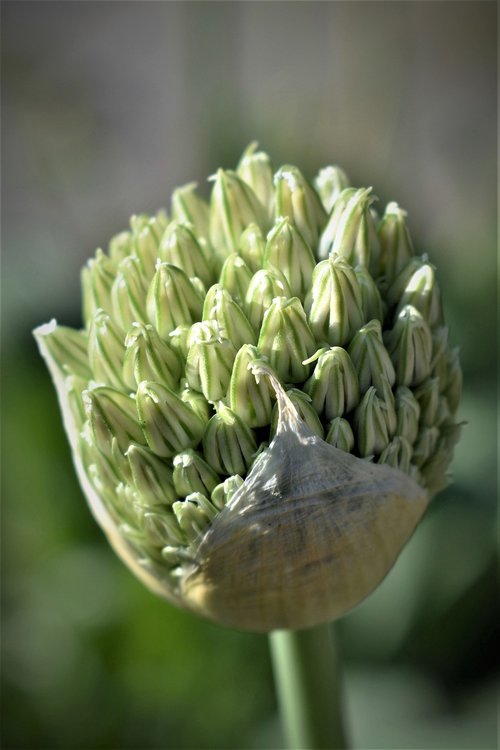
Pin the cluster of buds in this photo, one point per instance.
(162, 404)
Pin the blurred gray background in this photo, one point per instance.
(106, 107)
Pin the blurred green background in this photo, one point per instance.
(107, 106)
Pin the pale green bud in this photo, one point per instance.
(410, 346)
(228, 443)
(180, 247)
(396, 247)
(235, 276)
(169, 424)
(370, 357)
(233, 206)
(422, 292)
(252, 246)
(408, 414)
(340, 435)
(128, 293)
(151, 477)
(443, 412)
(371, 301)
(329, 184)
(398, 454)
(178, 339)
(396, 289)
(263, 288)
(197, 402)
(67, 348)
(287, 250)
(106, 349)
(333, 386)
(172, 300)
(439, 346)
(162, 528)
(334, 302)
(209, 361)
(112, 414)
(350, 231)
(305, 410)
(454, 378)
(120, 246)
(250, 397)
(148, 357)
(427, 395)
(190, 208)
(297, 199)
(256, 170)
(286, 339)
(231, 320)
(146, 236)
(97, 279)
(425, 445)
(75, 386)
(224, 491)
(193, 474)
(194, 515)
(370, 424)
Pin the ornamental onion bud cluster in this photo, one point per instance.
(205, 330)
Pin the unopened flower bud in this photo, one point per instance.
(68, 348)
(263, 288)
(148, 357)
(180, 248)
(250, 397)
(197, 402)
(371, 301)
(112, 414)
(408, 414)
(189, 208)
(230, 318)
(333, 386)
(370, 423)
(305, 409)
(340, 434)
(396, 289)
(224, 491)
(151, 476)
(396, 247)
(454, 377)
(422, 292)
(398, 454)
(168, 423)
(252, 246)
(97, 279)
(106, 349)
(287, 250)
(286, 339)
(297, 199)
(410, 346)
(128, 294)
(172, 300)
(427, 395)
(256, 170)
(370, 357)
(193, 474)
(194, 514)
(334, 302)
(209, 361)
(425, 445)
(350, 233)
(329, 183)
(146, 235)
(162, 528)
(178, 339)
(228, 443)
(120, 246)
(235, 276)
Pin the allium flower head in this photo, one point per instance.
(162, 392)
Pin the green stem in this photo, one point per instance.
(307, 679)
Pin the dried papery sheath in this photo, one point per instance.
(261, 401)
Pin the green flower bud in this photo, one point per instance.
(146, 236)
(228, 443)
(180, 248)
(120, 246)
(396, 248)
(209, 361)
(370, 357)
(67, 349)
(398, 454)
(297, 199)
(333, 386)
(410, 346)
(112, 414)
(305, 410)
(251, 247)
(106, 349)
(233, 207)
(194, 515)
(148, 357)
(189, 208)
(128, 293)
(193, 474)
(370, 424)
(427, 395)
(256, 170)
(230, 318)
(250, 397)
(224, 491)
(75, 386)
(162, 528)
(371, 301)
(97, 279)
(349, 232)
(151, 477)
(287, 250)
(169, 424)
(454, 377)
(172, 300)
(422, 292)
(178, 339)
(329, 183)
(340, 434)
(334, 302)
(235, 276)
(425, 445)
(197, 402)
(408, 414)
(286, 340)
(397, 287)
(263, 288)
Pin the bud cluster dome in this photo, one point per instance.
(162, 398)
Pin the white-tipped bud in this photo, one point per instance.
(286, 339)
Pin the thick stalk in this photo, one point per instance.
(306, 671)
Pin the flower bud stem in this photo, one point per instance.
(306, 670)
